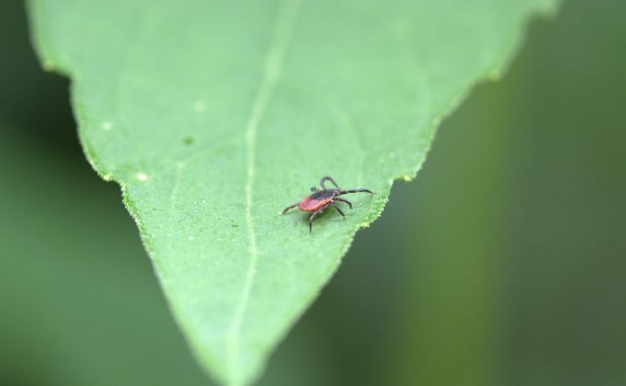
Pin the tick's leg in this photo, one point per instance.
(315, 215)
(313, 189)
(338, 210)
(289, 207)
(359, 190)
(344, 200)
(327, 178)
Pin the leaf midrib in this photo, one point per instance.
(285, 20)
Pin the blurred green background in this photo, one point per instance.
(503, 263)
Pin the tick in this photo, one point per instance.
(319, 200)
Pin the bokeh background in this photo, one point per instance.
(503, 263)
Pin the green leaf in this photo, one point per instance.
(214, 116)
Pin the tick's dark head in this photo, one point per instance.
(323, 195)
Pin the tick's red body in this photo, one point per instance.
(316, 201)
(321, 199)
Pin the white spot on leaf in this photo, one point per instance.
(48, 65)
(199, 106)
(494, 75)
